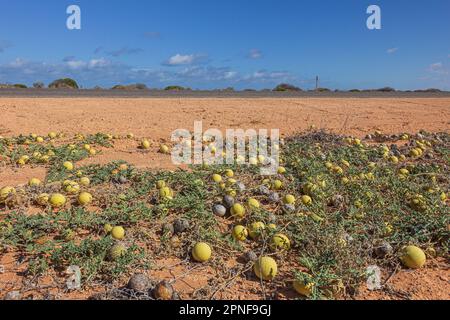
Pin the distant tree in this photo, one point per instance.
(286, 87)
(20, 86)
(174, 88)
(118, 87)
(134, 86)
(141, 86)
(430, 90)
(38, 85)
(65, 83)
(354, 90)
(386, 89)
(323, 90)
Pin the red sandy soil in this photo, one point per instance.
(155, 119)
(429, 283)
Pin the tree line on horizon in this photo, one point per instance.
(68, 83)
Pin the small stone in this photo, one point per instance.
(241, 187)
(120, 180)
(348, 237)
(274, 197)
(13, 295)
(383, 249)
(396, 153)
(168, 229)
(180, 226)
(288, 208)
(139, 282)
(73, 282)
(123, 180)
(373, 278)
(228, 201)
(250, 256)
(176, 296)
(263, 190)
(219, 210)
(153, 200)
(337, 200)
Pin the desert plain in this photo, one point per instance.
(156, 118)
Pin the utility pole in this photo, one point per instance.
(317, 82)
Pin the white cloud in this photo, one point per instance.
(255, 54)
(17, 63)
(104, 72)
(230, 74)
(264, 76)
(91, 64)
(257, 75)
(437, 76)
(438, 67)
(98, 63)
(391, 50)
(76, 64)
(179, 59)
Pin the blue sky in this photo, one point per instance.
(238, 43)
